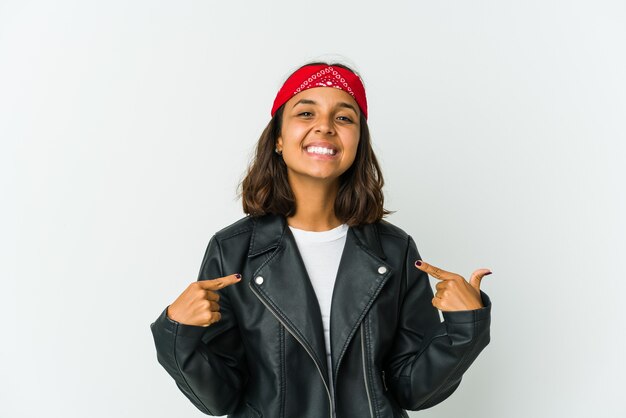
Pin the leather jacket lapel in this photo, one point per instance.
(287, 291)
(362, 274)
(286, 288)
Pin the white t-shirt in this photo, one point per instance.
(321, 252)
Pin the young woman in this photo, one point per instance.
(312, 305)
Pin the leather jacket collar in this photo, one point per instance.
(268, 233)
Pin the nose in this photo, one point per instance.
(325, 125)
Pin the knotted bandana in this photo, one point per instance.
(322, 76)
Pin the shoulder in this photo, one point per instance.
(241, 226)
(251, 234)
(395, 241)
(393, 237)
(387, 230)
(383, 238)
(267, 225)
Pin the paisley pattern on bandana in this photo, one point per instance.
(328, 77)
(322, 76)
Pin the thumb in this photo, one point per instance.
(477, 276)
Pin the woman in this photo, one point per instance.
(255, 337)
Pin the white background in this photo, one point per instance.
(126, 126)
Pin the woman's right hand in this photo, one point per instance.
(198, 304)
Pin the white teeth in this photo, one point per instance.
(320, 150)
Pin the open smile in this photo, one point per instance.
(323, 151)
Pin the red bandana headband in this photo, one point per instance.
(322, 76)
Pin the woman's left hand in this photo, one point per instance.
(454, 293)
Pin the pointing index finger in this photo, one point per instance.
(220, 283)
(436, 272)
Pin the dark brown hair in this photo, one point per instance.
(265, 188)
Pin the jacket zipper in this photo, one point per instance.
(330, 402)
(367, 388)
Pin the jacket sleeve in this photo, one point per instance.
(207, 363)
(428, 357)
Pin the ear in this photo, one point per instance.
(279, 142)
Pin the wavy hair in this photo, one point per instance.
(265, 187)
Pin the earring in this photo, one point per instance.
(277, 151)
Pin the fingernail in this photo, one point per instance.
(418, 263)
(238, 276)
(486, 274)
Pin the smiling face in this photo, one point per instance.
(319, 134)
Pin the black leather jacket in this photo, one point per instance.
(266, 357)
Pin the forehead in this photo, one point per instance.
(323, 96)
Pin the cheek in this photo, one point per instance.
(352, 145)
(292, 142)
(293, 133)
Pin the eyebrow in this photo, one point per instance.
(313, 102)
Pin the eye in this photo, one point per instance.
(347, 119)
(305, 114)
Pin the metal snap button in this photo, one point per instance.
(382, 269)
(259, 279)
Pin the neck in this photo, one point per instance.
(315, 204)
